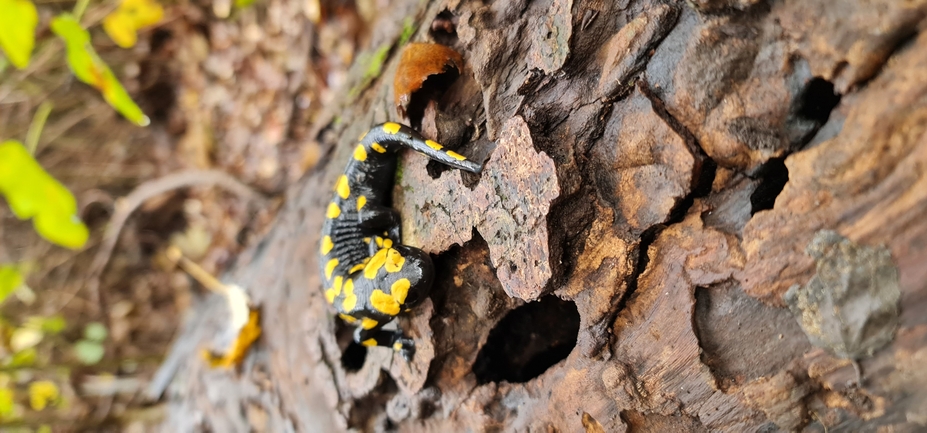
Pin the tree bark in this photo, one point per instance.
(656, 173)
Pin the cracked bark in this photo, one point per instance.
(636, 157)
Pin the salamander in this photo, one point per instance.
(368, 275)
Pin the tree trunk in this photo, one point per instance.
(659, 176)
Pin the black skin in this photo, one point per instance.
(368, 276)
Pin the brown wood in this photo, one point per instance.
(636, 154)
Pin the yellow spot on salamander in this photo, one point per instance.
(330, 267)
(456, 155)
(327, 245)
(344, 190)
(376, 262)
(397, 346)
(387, 243)
(361, 201)
(391, 127)
(350, 299)
(357, 267)
(394, 261)
(370, 342)
(379, 242)
(400, 289)
(360, 153)
(367, 323)
(434, 145)
(378, 148)
(347, 318)
(333, 211)
(384, 303)
(335, 290)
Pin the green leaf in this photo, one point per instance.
(95, 331)
(54, 324)
(10, 278)
(24, 358)
(32, 193)
(18, 19)
(89, 68)
(6, 403)
(88, 352)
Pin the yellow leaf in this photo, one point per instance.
(89, 68)
(123, 23)
(236, 353)
(41, 393)
(18, 19)
(32, 193)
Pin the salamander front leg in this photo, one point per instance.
(381, 337)
(381, 217)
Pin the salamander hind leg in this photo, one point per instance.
(384, 338)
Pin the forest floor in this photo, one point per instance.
(140, 296)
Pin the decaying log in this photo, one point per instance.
(622, 263)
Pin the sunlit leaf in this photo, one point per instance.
(95, 331)
(41, 393)
(32, 193)
(6, 402)
(18, 19)
(89, 352)
(122, 24)
(10, 279)
(24, 338)
(89, 68)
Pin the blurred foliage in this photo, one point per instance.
(10, 280)
(90, 350)
(43, 393)
(122, 24)
(32, 193)
(18, 19)
(89, 68)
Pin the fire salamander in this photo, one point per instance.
(369, 276)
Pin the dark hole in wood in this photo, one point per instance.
(527, 341)
(773, 177)
(817, 100)
(444, 28)
(353, 357)
(432, 88)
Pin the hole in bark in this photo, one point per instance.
(527, 341)
(353, 357)
(773, 176)
(818, 100)
(432, 88)
(444, 28)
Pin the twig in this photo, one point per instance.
(150, 189)
(38, 123)
(79, 8)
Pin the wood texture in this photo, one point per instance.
(636, 154)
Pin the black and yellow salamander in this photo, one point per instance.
(368, 275)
